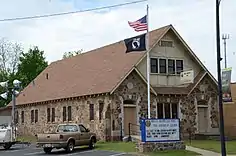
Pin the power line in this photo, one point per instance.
(71, 12)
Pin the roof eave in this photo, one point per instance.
(128, 73)
(197, 83)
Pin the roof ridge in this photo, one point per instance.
(107, 46)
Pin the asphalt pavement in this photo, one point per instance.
(24, 150)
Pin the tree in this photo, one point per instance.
(3, 77)
(9, 59)
(31, 65)
(72, 53)
(9, 56)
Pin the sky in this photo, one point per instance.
(193, 19)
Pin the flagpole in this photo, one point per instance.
(148, 66)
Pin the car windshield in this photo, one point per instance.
(67, 128)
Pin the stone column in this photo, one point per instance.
(209, 122)
(122, 113)
(155, 104)
(137, 109)
(179, 110)
(196, 106)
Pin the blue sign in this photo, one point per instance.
(160, 130)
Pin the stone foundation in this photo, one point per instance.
(160, 146)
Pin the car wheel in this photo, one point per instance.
(47, 150)
(92, 143)
(70, 146)
(7, 146)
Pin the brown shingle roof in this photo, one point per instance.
(171, 90)
(97, 71)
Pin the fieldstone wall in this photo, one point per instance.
(135, 89)
(205, 93)
(80, 114)
(160, 146)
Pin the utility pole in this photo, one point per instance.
(222, 133)
(224, 38)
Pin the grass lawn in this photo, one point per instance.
(130, 147)
(31, 139)
(213, 145)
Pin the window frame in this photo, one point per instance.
(69, 113)
(162, 66)
(101, 107)
(32, 116)
(170, 110)
(182, 67)
(48, 114)
(36, 115)
(173, 66)
(53, 115)
(64, 114)
(166, 45)
(156, 67)
(22, 117)
(91, 112)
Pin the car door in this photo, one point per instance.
(84, 136)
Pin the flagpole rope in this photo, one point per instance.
(71, 12)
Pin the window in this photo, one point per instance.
(113, 125)
(69, 113)
(174, 111)
(179, 66)
(160, 111)
(36, 116)
(101, 105)
(167, 110)
(53, 115)
(91, 110)
(162, 65)
(154, 65)
(82, 129)
(48, 114)
(171, 66)
(64, 113)
(32, 116)
(22, 117)
(166, 43)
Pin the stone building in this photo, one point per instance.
(106, 88)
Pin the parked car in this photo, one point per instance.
(7, 138)
(67, 136)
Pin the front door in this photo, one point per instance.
(202, 119)
(129, 117)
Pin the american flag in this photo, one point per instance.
(139, 25)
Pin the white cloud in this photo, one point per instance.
(194, 20)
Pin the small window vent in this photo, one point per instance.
(166, 43)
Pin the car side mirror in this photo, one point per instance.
(87, 130)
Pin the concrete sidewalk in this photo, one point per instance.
(204, 152)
